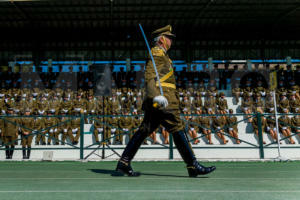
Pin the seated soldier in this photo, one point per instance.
(246, 106)
(231, 122)
(247, 91)
(206, 128)
(98, 127)
(294, 103)
(271, 126)
(126, 124)
(255, 125)
(212, 88)
(258, 103)
(222, 104)
(218, 124)
(283, 103)
(210, 104)
(192, 128)
(284, 123)
(237, 92)
(296, 123)
(165, 134)
(53, 131)
(260, 89)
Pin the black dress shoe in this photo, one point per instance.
(197, 169)
(125, 168)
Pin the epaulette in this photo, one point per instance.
(156, 51)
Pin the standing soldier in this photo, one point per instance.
(1, 130)
(161, 109)
(10, 134)
(27, 135)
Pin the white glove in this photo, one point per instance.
(161, 100)
(100, 129)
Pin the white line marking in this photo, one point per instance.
(118, 178)
(161, 191)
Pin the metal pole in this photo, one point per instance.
(103, 145)
(170, 147)
(279, 158)
(81, 135)
(260, 136)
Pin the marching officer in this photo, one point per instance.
(161, 109)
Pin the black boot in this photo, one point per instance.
(187, 154)
(129, 152)
(7, 153)
(11, 152)
(24, 153)
(125, 168)
(28, 152)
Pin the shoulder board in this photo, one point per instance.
(156, 51)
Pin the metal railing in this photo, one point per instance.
(104, 145)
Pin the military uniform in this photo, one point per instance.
(27, 135)
(53, 131)
(197, 104)
(222, 104)
(10, 134)
(210, 104)
(284, 122)
(231, 123)
(39, 125)
(247, 104)
(284, 104)
(294, 104)
(126, 124)
(98, 127)
(75, 127)
(65, 129)
(295, 120)
(155, 115)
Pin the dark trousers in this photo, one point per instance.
(170, 119)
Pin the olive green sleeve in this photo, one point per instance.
(150, 75)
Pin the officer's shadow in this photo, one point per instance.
(115, 173)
